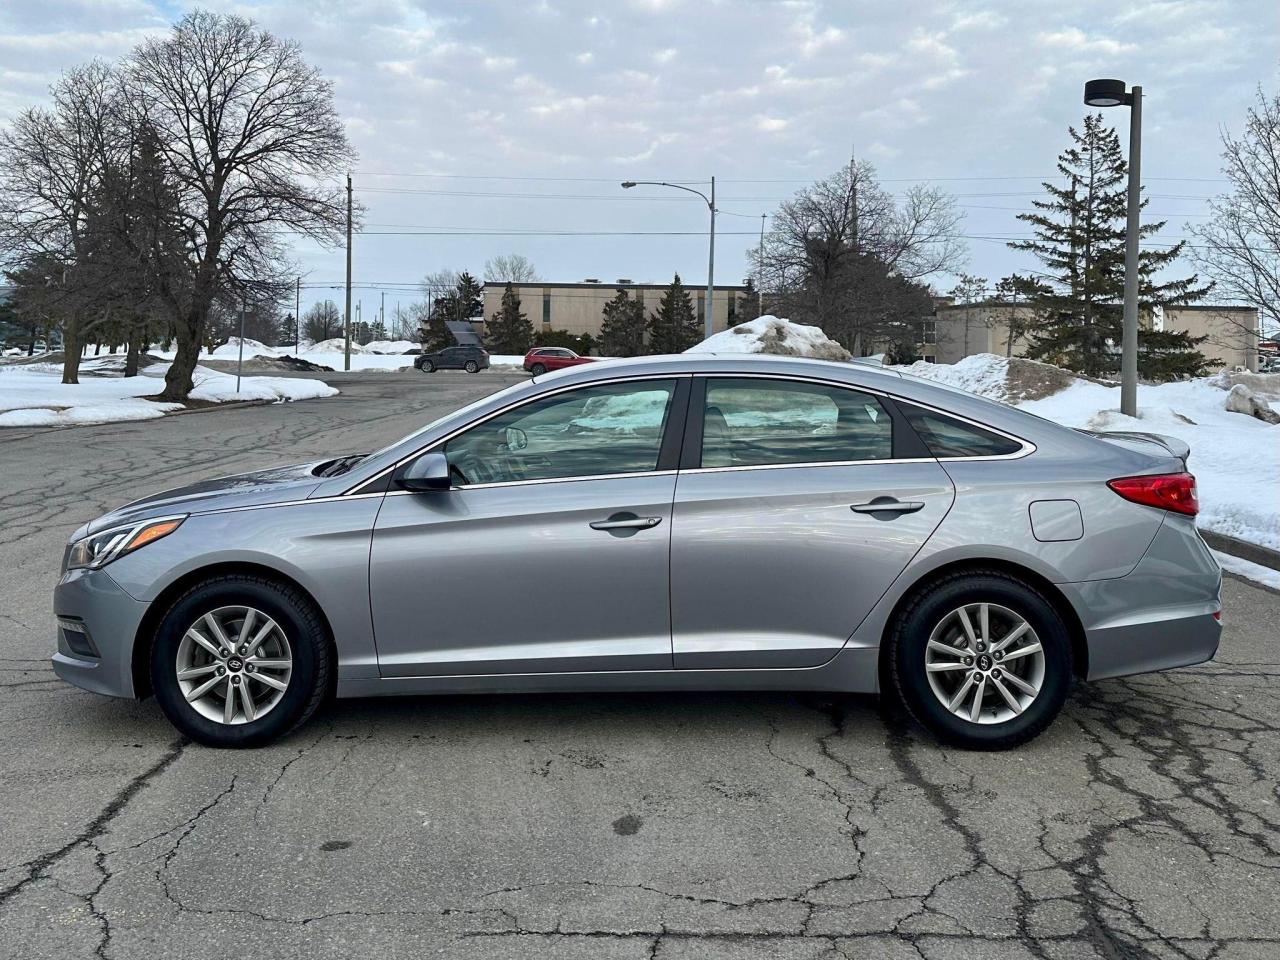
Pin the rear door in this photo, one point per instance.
(797, 505)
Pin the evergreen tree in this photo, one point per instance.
(674, 328)
(509, 331)
(460, 304)
(622, 329)
(1079, 237)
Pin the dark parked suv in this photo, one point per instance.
(470, 359)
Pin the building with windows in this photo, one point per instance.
(959, 330)
(578, 308)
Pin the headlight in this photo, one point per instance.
(101, 548)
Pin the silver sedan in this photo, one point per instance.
(664, 523)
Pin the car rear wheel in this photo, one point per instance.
(538, 369)
(472, 367)
(982, 660)
(239, 661)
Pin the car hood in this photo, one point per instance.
(262, 487)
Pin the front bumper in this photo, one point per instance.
(109, 618)
(1164, 614)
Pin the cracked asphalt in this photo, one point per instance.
(1144, 824)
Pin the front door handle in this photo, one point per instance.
(888, 505)
(626, 523)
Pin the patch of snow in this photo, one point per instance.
(391, 346)
(1249, 570)
(773, 335)
(34, 396)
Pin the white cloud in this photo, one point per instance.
(1075, 40)
(767, 124)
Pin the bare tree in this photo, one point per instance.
(510, 268)
(249, 133)
(53, 165)
(1240, 246)
(842, 236)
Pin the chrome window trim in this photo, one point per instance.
(525, 483)
(635, 378)
(1027, 447)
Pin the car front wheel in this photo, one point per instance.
(982, 660)
(427, 367)
(239, 661)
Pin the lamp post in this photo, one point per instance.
(1112, 93)
(711, 254)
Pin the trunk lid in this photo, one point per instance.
(1152, 444)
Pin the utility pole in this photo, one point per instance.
(240, 361)
(346, 353)
(382, 314)
(760, 270)
(297, 315)
(711, 269)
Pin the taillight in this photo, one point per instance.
(1168, 491)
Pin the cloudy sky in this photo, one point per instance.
(515, 121)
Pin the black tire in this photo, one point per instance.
(537, 369)
(909, 637)
(427, 367)
(472, 367)
(297, 616)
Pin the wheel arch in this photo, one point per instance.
(1062, 606)
(145, 636)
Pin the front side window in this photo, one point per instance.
(757, 422)
(593, 431)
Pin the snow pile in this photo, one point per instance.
(984, 374)
(391, 346)
(1008, 379)
(231, 349)
(34, 396)
(776, 336)
(337, 345)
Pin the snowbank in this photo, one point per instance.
(1236, 459)
(773, 335)
(33, 396)
(389, 346)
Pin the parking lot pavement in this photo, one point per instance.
(1143, 824)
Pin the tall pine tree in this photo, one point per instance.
(674, 327)
(461, 303)
(1079, 237)
(510, 330)
(622, 329)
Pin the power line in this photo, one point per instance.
(515, 179)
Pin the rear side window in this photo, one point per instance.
(946, 437)
(756, 422)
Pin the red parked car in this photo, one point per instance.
(541, 359)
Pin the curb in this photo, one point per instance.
(230, 405)
(1263, 556)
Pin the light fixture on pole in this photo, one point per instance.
(708, 313)
(1112, 93)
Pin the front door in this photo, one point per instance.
(794, 524)
(550, 554)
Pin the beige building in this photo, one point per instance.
(577, 308)
(961, 330)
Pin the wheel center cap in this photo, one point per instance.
(984, 662)
(235, 663)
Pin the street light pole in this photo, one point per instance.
(711, 251)
(1111, 93)
(346, 352)
(760, 269)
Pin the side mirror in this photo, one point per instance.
(429, 472)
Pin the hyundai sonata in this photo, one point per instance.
(707, 522)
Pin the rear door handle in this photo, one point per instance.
(626, 523)
(888, 505)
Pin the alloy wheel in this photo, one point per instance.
(984, 663)
(234, 664)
